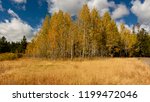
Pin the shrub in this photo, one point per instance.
(9, 56)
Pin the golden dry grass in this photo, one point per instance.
(112, 71)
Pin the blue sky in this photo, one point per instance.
(33, 12)
(24, 17)
(131, 18)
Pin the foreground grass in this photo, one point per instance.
(94, 72)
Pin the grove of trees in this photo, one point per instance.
(90, 35)
(13, 47)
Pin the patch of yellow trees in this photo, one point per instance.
(89, 35)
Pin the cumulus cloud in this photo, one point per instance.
(73, 6)
(101, 5)
(1, 7)
(15, 28)
(146, 27)
(142, 11)
(19, 1)
(129, 27)
(12, 13)
(120, 11)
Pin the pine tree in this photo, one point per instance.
(3, 45)
(143, 44)
(23, 44)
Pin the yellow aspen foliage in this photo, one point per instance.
(88, 35)
(84, 23)
(127, 38)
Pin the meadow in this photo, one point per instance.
(100, 71)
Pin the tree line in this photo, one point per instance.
(13, 47)
(90, 35)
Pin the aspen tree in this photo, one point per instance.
(95, 32)
(84, 20)
(127, 39)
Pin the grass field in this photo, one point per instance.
(112, 71)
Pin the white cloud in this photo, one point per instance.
(1, 7)
(146, 27)
(120, 11)
(101, 5)
(12, 13)
(142, 11)
(15, 28)
(73, 6)
(19, 1)
(129, 27)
